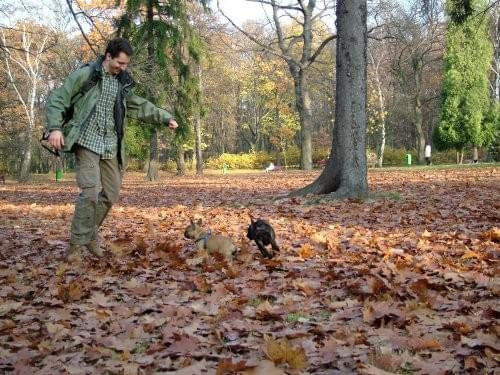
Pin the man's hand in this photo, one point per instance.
(56, 139)
(172, 124)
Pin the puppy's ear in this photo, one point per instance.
(199, 221)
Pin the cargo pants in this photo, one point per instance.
(99, 181)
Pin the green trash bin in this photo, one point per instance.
(408, 159)
(59, 174)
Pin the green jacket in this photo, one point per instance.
(127, 104)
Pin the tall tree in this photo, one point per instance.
(159, 38)
(466, 96)
(417, 42)
(299, 65)
(22, 64)
(345, 172)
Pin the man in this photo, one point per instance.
(98, 96)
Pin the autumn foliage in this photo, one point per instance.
(404, 282)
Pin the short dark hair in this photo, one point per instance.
(117, 45)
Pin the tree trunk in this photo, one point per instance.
(153, 144)
(345, 172)
(303, 104)
(153, 157)
(420, 141)
(381, 147)
(24, 172)
(180, 160)
(197, 131)
(475, 156)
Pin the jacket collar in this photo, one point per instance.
(123, 77)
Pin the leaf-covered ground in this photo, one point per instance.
(405, 283)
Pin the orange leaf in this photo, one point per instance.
(306, 251)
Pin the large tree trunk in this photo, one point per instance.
(197, 131)
(345, 172)
(153, 157)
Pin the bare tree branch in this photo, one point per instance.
(321, 47)
(70, 5)
(91, 19)
(279, 6)
(250, 36)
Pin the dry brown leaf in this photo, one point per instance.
(282, 351)
(423, 343)
(226, 366)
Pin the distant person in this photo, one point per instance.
(427, 154)
(271, 167)
(94, 133)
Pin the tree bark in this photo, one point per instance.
(180, 160)
(417, 111)
(153, 143)
(345, 172)
(475, 155)
(420, 141)
(24, 172)
(153, 157)
(197, 131)
(303, 104)
(381, 109)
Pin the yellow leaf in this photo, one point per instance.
(469, 254)
(61, 269)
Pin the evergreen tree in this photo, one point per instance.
(466, 99)
(165, 45)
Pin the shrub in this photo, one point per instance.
(171, 165)
(134, 165)
(444, 157)
(292, 156)
(254, 160)
(397, 156)
(320, 154)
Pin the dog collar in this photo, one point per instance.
(204, 239)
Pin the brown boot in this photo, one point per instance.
(74, 252)
(95, 248)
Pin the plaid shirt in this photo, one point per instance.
(99, 134)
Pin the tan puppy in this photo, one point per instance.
(207, 241)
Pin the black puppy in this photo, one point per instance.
(263, 234)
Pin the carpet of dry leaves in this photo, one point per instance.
(406, 283)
